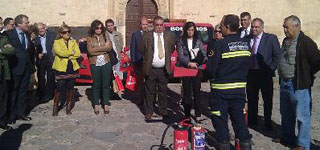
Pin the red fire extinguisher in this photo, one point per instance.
(198, 138)
(181, 135)
(236, 141)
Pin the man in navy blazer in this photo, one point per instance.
(46, 78)
(136, 56)
(264, 61)
(21, 66)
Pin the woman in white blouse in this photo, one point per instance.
(191, 54)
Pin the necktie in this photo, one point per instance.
(254, 50)
(160, 48)
(23, 40)
(254, 46)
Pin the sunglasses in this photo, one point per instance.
(98, 28)
(217, 31)
(64, 32)
(159, 25)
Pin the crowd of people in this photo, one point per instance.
(240, 61)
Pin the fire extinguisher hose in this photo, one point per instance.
(162, 146)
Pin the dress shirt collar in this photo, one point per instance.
(259, 36)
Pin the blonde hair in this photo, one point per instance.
(61, 29)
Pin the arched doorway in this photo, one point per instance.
(134, 11)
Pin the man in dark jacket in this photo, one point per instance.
(136, 56)
(228, 65)
(265, 56)
(6, 50)
(45, 57)
(21, 66)
(297, 67)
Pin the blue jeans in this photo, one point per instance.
(295, 105)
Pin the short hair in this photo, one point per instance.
(294, 20)
(19, 18)
(33, 29)
(232, 21)
(94, 25)
(7, 21)
(109, 21)
(61, 28)
(243, 14)
(157, 18)
(260, 20)
(185, 31)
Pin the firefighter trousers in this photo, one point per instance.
(222, 105)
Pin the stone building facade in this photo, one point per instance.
(80, 13)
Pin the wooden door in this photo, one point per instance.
(134, 11)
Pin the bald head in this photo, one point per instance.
(144, 23)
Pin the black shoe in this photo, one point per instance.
(5, 127)
(12, 121)
(269, 127)
(25, 118)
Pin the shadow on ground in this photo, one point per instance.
(11, 139)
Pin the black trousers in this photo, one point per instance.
(3, 102)
(259, 80)
(46, 78)
(191, 95)
(19, 86)
(140, 82)
(156, 86)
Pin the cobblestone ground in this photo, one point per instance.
(124, 128)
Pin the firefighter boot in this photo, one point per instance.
(56, 103)
(69, 101)
(245, 145)
(224, 145)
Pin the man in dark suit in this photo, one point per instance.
(245, 30)
(136, 56)
(264, 61)
(46, 78)
(21, 66)
(156, 50)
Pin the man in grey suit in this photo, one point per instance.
(45, 57)
(21, 66)
(264, 61)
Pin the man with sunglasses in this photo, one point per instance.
(45, 57)
(156, 49)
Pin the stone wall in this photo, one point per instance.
(82, 12)
(271, 11)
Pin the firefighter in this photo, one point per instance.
(228, 64)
